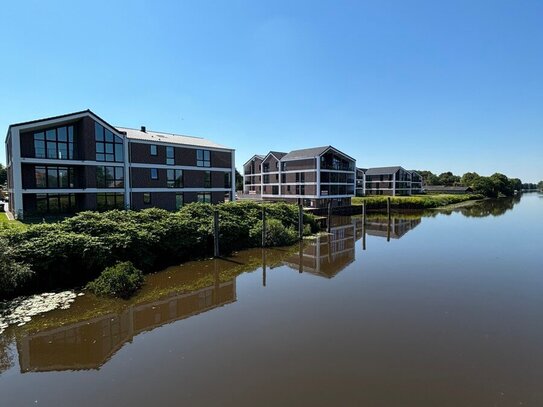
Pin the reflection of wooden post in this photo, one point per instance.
(264, 226)
(216, 233)
(363, 226)
(216, 275)
(301, 258)
(388, 207)
(264, 268)
(301, 221)
(388, 224)
(329, 217)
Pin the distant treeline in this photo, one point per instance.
(495, 185)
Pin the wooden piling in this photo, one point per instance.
(329, 217)
(301, 221)
(264, 226)
(216, 233)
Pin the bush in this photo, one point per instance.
(276, 233)
(13, 274)
(121, 280)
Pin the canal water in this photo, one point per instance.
(435, 309)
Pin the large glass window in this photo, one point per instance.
(207, 179)
(109, 200)
(154, 173)
(179, 200)
(175, 178)
(109, 177)
(154, 150)
(109, 147)
(57, 143)
(170, 157)
(204, 197)
(203, 158)
(227, 179)
(54, 177)
(55, 203)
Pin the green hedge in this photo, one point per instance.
(75, 250)
(414, 202)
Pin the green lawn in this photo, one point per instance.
(414, 201)
(6, 223)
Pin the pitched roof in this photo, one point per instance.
(260, 156)
(278, 154)
(305, 153)
(160, 137)
(382, 170)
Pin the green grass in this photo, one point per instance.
(414, 201)
(5, 223)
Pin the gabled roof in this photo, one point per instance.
(260, 156)
(382, 170)
(305, 153)
(170, 138)
(276, 154)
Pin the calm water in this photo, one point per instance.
(439, 310)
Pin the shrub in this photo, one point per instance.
(276, 233)
(13, 274)
(121, 280)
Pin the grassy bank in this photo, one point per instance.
(414, 202)
(76, 250)
(5, 223)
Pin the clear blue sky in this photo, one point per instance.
(438, 85)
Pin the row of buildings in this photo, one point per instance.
(78, 161)
(317, 175)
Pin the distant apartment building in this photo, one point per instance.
(387, 181)
(315, 176)
(78, 161)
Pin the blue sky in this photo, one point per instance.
(438, 85)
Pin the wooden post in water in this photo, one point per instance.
(329, 217)
(363, 226)
(216, 233)
(264, 226)
(264, 267)
(388, 224)
(301, 221)
(301, 258)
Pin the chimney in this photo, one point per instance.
(143, 129)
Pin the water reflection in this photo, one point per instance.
(90, 343)
(481, 209)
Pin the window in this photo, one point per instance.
(179, 201)
(170, 157)
(227, 179)
(109, 147)
(109, 200)
(175, 178)
(204, 197)
(207, 179)
(109, 177)
(55, 203)
(203, 158)
(283, 178)
(154, 150)
(54, 177)
(154, 173)
(55, 143)
(147, 198)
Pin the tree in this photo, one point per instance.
(516, 184)
(485, 186)
(448, 179)
(469, 178)
(502, 184)
(540, 185)
(429, 178)
(239, 181)
(3, 175)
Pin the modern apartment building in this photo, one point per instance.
(388, 181)
(313, 175)
(78, 161)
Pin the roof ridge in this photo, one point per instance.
(160, 132)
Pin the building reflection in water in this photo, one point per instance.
(89, 344)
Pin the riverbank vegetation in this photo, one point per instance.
(414, 202)
(493, 186)
(76, 250)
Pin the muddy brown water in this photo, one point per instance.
(436, 309)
